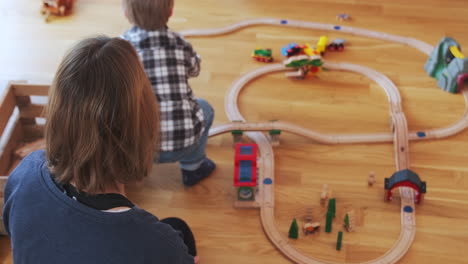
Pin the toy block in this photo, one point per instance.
(324, 195)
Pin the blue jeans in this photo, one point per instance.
(190, 158)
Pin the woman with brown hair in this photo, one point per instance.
(67, 204)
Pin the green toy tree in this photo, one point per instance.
(332, 206)
(346, 222)
(294, 230)
(328, 224)
(338, 242)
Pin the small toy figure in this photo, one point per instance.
(324, 195)
(342, 17)
(262, 55)
(371, 179)
(336, 45)
(56, 8)
(294, 230)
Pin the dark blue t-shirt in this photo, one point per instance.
(47, 226)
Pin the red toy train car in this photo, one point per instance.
(245, 171)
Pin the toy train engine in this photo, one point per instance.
(262, 55)
(293, 49)
(336, 45)
(245, 171)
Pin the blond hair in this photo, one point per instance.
(148, 14)
(102, 123)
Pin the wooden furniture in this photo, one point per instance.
(22, 126)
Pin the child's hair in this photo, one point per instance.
(148, 14)
(102, 117)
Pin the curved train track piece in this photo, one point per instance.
(400, 135)
(266, 188)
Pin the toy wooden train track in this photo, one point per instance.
(399, 134)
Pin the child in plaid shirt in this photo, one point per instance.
(169, 60)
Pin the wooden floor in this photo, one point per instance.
(333, 103)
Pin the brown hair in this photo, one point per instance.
(102, 117)
(148, 14)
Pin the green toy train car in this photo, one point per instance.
(262, 55)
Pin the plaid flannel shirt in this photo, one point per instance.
(169, 60)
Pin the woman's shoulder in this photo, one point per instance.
(36, 156)
(33, 161)
(25, 177)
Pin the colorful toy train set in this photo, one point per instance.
(399, 134)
